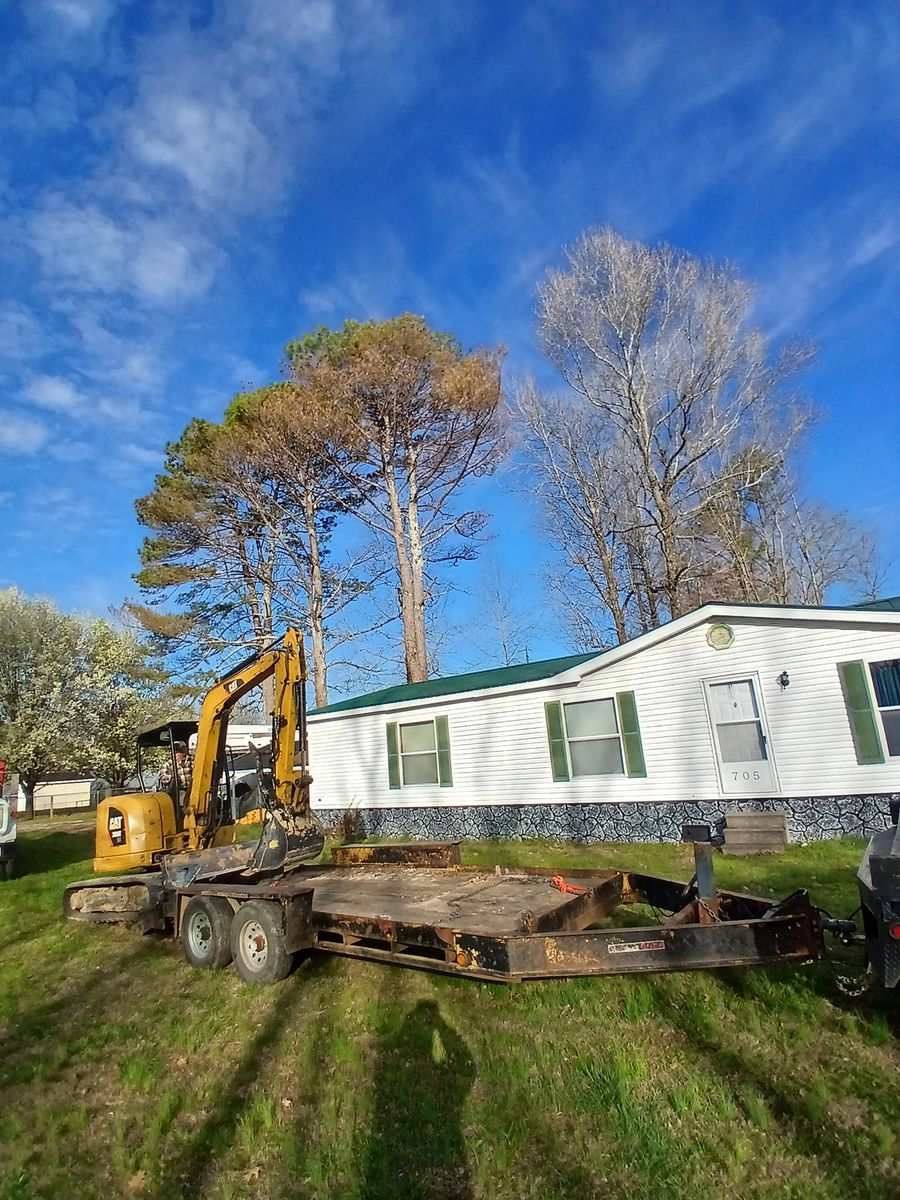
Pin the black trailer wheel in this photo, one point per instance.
(6, 868)
(257, 942)
(205, 932)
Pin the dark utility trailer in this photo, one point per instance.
(879, 893)
(415, 906)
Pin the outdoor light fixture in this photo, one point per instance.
(783, 680)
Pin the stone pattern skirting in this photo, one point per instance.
(809, 819)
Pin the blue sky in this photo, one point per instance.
(185, 186)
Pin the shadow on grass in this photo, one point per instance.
(40, 852)
(187, 1173)
(46, 1030)
(423, 1073)
(801, 1116)
(814, 982)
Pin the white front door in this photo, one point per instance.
(739, 737)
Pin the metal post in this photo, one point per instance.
(703, 868)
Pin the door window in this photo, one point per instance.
(739, 734)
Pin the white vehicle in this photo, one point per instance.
(7, 838)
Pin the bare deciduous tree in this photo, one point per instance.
(502, 627)
(774, 547)
(667, 469)
(591, 517)
(660, 344)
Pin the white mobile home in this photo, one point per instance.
(727, 707)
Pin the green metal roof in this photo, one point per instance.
(450, 685)
(888, 604)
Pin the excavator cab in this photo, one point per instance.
(137, 828)
(165, 738)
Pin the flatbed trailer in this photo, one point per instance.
(416, 906)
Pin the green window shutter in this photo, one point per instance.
(631, 735)
(555, 736)
(863, 722)
(442, 738)
(393, 750)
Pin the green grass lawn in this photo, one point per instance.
(125, 1073)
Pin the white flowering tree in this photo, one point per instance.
(73, 693)
(127, 693)
(44, 664)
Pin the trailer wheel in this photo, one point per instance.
(205, 930)
(6, 869)
(257, 943)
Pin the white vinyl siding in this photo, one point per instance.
(500, 751)
(592, 734)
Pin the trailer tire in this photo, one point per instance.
(206, 932)
(6, 869)
(257, 942)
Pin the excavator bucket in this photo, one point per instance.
(287, 839)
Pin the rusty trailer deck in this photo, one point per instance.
(531, 923)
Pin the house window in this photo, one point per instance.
(418, 753)
(738, 726)
(592, 734)
(886, 682)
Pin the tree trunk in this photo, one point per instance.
(316, 606)
(28, 788)
(416, 669)
(417, 571)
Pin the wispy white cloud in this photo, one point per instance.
(76, 16)
(68, 450)
(41, 109)
(20, 433)
(802, 283)
(209, 140)
(127, 359)
(378, 281)
(144, 455)
(200, 124)
(86, 249)
(22, 335)
(54, 393)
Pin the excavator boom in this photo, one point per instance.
(290, 834)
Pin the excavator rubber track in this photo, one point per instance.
(140, 900)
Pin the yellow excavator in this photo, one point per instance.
(169, 840)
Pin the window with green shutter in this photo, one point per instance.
(631, 735)
(886, 682)
(442, 735)
(595, 737)
(559, 762)
(419, 753)
(861, 713)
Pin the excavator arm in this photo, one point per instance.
(290, 834)
(286, 663)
